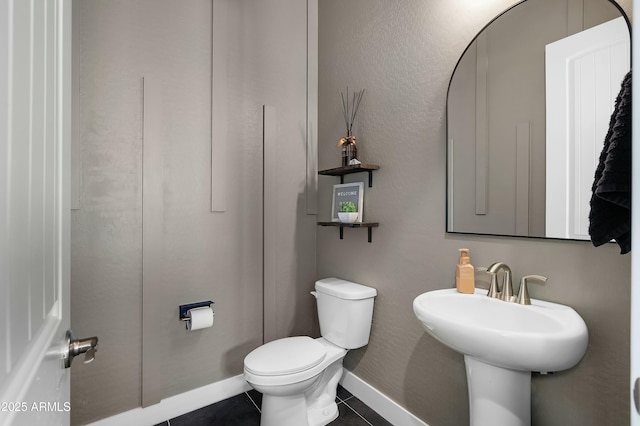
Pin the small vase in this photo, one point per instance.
(349, 150)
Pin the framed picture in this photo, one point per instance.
(342, 193)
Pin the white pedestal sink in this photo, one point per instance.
(502, 343)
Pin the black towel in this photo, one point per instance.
(610, 216)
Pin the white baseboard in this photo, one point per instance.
(201, 397)
(379, 402)
(179, 404)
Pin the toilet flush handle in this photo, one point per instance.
(314, 294)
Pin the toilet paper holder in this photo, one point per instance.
(184, 309)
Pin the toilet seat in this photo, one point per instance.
(319, 350)
(285, 356)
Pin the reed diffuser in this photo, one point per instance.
(350, 107)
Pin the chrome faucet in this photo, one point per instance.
(506, 293)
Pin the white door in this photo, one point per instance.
(583, 76)
(35, 75)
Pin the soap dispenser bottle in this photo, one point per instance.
(465, 273)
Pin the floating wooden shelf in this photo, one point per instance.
(368, 225)
(347, 170)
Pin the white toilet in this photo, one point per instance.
(298, 376)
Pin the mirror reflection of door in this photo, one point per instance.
(496, 117)
(583, 75)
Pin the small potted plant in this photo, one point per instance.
(347, 212)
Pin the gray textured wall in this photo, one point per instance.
(192, 254)
(403, 53)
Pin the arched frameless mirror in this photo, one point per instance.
(528, 109)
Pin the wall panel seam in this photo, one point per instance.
(219, 130)
(311, 187)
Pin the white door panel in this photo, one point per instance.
(35, 71)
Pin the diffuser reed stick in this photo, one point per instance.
(350, 108)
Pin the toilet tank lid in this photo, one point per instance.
(345, 289)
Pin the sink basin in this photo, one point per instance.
(502, 344)
(543, 336)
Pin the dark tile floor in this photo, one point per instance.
(244, 410)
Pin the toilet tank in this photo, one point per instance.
(345, 310)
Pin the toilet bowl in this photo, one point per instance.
(301, 370)
(298, 376)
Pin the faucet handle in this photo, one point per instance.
(523, 293)
(494, 291)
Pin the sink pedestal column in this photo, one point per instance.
(498, 396)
